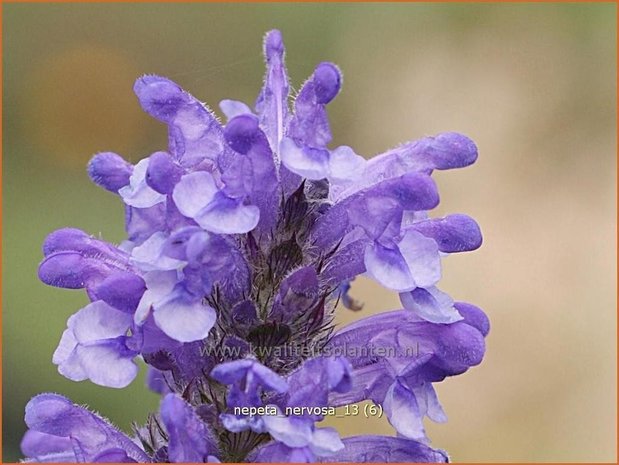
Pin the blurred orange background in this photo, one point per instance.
(533, 84)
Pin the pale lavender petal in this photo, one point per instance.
(232, 108)
(108, 363)
(228, 216)
(99, 321)
(138, 194)
(403, 412)
(345, 164)
(149, 255)
(184, 319)
(194, 192)
(428, 403)
(325, 442)
(388, 267)
(431, 305)
(291, 431)
(306, 162)
(422, 257)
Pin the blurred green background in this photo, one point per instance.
(532, 84)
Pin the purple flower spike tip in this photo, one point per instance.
(243, 239)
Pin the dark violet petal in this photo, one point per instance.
(309, 125)
(242, 132)
(231, 372)
(346, 263)
(376, 449)
(311, 384)
(474, 316)
(160, 97)
(176, 245)
(141, 223)
(122, 290)
(376, 207)
(444, 151)
(76, 240)
(402, 411)
(190, 440)
(36, 444)
(450, 150)
(327, 82)
(405, 338)
(156, 381)
(244, 313)
(247, 378)
(237, 175)
(297, 294)
(65, 239)
(71, 270)
(194, 132)
(454, 233)
(109, 171)
(163, 173)
(56, 415)
(255, 173)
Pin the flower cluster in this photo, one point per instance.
(242, 240)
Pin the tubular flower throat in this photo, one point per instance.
(242, 240)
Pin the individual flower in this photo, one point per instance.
(242, 238)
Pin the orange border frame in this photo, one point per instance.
(616, 2)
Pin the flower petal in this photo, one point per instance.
(183, 319)
(228, 216)
(422, 257)
(232, 108)
(190, 440)
(108, 363)
(194, 192)
(99, 321)
(138, 194)
(431, 305)
(388, 267)
(307, 162)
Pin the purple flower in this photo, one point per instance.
(241, 240)
(60, 431)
